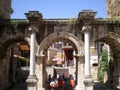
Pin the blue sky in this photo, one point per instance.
(57, 8)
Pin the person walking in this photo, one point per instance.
(49, 81)
(66, 82)
(72, 82)
(60, 83)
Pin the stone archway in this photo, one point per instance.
(9, 60)
(113, 40)
(78, 43)
(74, 41)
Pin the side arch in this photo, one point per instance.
(112, 39)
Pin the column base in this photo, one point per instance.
(88, 82)
(31, 82)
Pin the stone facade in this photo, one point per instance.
(112, 8)
(5, 9)
(53, 30)
(102, 30)
(4, 65)
(4, 72)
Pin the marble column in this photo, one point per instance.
(80, 71)
(32, 79)
(118, 69)
(88, 80)
(48, 54)
(35, 21)
(39, 73)
(32, 54)
(74, 59)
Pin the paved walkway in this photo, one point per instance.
(97, 86)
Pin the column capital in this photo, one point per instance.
(86, 28)
(34, 17)
(80, 58)
(40, 56)
(79, 55)
(35, 20)
(33, 29)
(39, 59)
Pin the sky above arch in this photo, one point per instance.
(57, 8)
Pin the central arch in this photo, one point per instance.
(56, 36)
(76, 43)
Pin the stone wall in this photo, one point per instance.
(5, 9)
(113, 8)
(10, 73)
(4, 73)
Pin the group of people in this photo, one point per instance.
(61, 82)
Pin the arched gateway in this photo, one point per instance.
(43, 33)
(76, 43)
(37, 70)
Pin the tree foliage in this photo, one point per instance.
(71, 24)
(115, 20)
(103, 66)
(14, 25)
(104, 60)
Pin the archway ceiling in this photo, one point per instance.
(4, 46)
(62, 39)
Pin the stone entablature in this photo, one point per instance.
(100, 27)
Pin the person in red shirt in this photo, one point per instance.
(60, 83)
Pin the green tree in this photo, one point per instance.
(115, 20)
(104, 60)
(103, 66)
(71, 24)
(14, 25)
